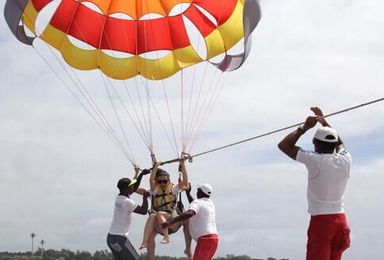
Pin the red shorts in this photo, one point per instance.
(328, 237)
(206, 247)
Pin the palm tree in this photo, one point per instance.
(32, 236)
(42, 248)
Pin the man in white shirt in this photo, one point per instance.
(117, 238)
(202, 223)
(328, 173)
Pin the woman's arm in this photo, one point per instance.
(152, 178)
(184, 175)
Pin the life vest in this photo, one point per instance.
(164, 199)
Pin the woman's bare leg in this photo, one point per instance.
(188, 239)
(148, 229)
(162, 217)
(151, 246)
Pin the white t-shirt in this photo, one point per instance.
(328, 175)
(122, 215)
(204, 222)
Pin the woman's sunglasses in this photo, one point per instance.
(162, 181)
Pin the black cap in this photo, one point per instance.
(125, 183)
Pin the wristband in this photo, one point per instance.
(301, 129)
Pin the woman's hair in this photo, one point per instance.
(161, 172)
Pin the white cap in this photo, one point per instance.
(206, 188)
(326, 134)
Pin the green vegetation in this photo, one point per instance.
(65, 254)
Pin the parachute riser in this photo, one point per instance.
(184, 156)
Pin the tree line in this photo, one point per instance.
(65, 254)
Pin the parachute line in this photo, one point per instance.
(164, 129)
(183, 137)
(101, 123)
(92, 104)
(219, 86)
(202, 107)
(197, 106)
(116, 113)
(284, 128)
(141, 125)
(170, 118)
(189, 126)
(145, 128)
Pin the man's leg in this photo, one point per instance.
(129, 252)
(206, 247)
(121, 248)
(114, 247)
(342, 240)
(320, 235)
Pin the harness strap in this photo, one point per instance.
(163, 194)
(166, 203)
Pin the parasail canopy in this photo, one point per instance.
(222, 24)
(152, 39)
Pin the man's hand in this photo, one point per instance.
(188, 188)
(317, 111)
(146, 194)
(310, 122)
(146, 171)
(166, 224)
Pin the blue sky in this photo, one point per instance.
(58, 169)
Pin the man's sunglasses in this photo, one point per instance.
(162, 181)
